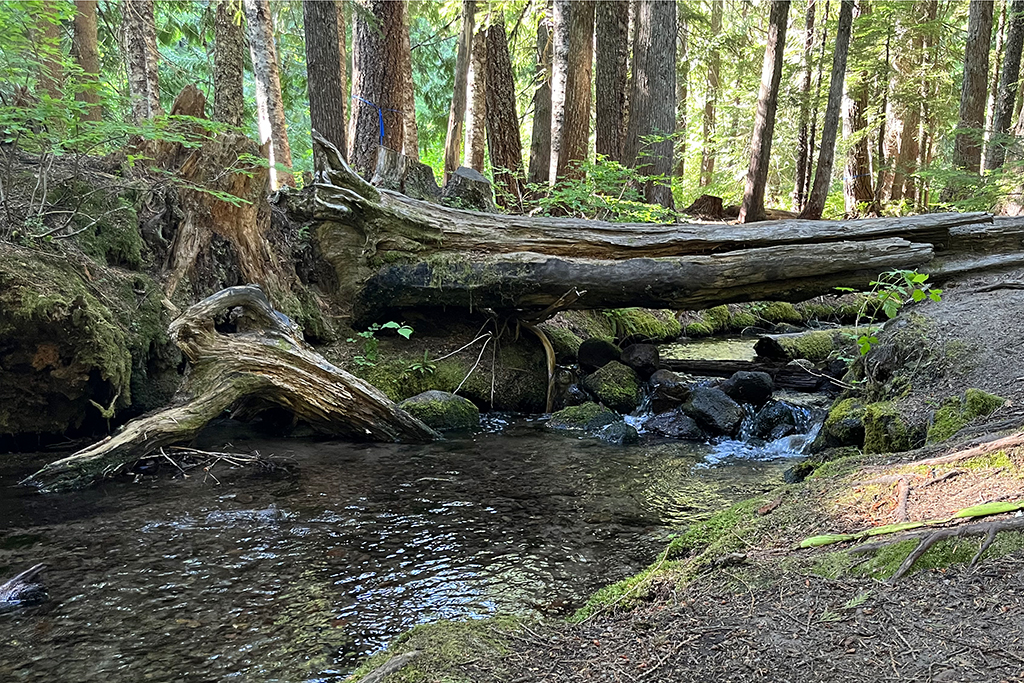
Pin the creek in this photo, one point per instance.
(295, 575)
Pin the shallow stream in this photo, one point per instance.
(293, 576)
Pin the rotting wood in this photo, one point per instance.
(1011, 441)
(265, 360)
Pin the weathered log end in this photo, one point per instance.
(264, 359)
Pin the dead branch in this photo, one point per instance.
(981, 449)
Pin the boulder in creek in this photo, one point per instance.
(586, 417)
(714, 411)
(643, 358)
(616, 386)
(619, 433)
(675, 424)
(443, 411)
(595, 353)
(773, 421)
(749, 387)
(668, 390)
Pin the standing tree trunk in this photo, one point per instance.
(410, 135)
(228, 66)
(572, 151)
(830, 126)
(817, 103)
(929, 91)
(476, 131)
(1007, 87)
(682, 93)
(803, 151)
(767, 106)
(707, 160)
(561, 22)
(141, 55)
(87, 54)
(47, 44)
(909, 136)
(457, 111)
(993, 79)
(967, 148)
(377, 117)
(324, 78)
(612, 51)
(502, 122)
(652, 97)
(540, 141)
(269, 104)
(857, 181)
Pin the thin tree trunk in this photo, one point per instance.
(377, 117)
(502, 122)
(323, 74)
(682, 93)
(228, 66)
(457, 111)
(476, 131)
(270, 105)
(803, 154)
(87, 54)
(903, 185)
(47, 43)
(576, 115)
(857, 180)
(707, 163)
(410, 136)
(540, 141)
(652, 98)
(929, 91)
(967, 147)
(141, 55)
(1007, 87)
(830, 126)
(767, 106)
(993, 79)
(817, 103)
(612, 53)
(561, 22)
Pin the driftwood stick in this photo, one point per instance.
(391, 666)
(981, 449)
(902, 498)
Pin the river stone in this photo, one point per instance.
(773, 421)
(585, 417)
(619, 433)
(595, 353)
(749, 387)
(442, 411)
(643, 358)
(714, 411)
(675, 424)
(844, 426)
(616, 386)
(668, 390)
(468, 189)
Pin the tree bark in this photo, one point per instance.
(995, 65)
(46, 39)
(682, 94)
(266, 361)
(909, 135)
(612, 52)
(1007, 95)
(324, 78)
(540, 141)
(803, 153)
(457, 111)
(561, 23)
(652, 98)
(714, 66)
(272, 126)
(228, 66)
(857, 184)
(764, 124)
(967, 147)
(85, 48)
(502, 121)
(410, 133)
(139, 29)
(377, 117)
(572, 151)
(476, 132)
(830, 126)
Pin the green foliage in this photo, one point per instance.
(370, 353)
(889, 293)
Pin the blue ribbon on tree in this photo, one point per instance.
(380, 115)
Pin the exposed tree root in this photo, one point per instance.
(930, 537)
(266, 361)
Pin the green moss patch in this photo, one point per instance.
(643, 323)
(885, 430)
(587, 417)
(956, 412)
(616, 386)
(442, 410)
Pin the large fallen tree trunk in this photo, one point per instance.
(392, 252)
(263, 361)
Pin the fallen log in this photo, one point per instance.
(264, 360)
(784, 375)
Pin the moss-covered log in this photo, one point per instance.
(264, 360)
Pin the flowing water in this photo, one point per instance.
(295, 575)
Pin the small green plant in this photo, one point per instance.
(890, 292)
(370, 354)
(423, 367)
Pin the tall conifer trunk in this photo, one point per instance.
(803, 150)
(228, 66)
(87, 54)
(324, 80)
(572, 149)
(540, 141)
(476, 131)
(714, 67)
(1008, 87)
(502, 123)
(269, 104)
(457, 110)
(967, 147)
(611, 51)
(139, 28)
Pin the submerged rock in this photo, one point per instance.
(585, 417)
(442, 411)
(773, 421)
(23, 590)
(643, 358)
(596, 353)
(714, 411)
(675, 424)
(616, 386)
(668, 390)
(749, 387)
(619, 433)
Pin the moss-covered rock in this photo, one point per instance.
(586, 417)
(885, 431)
(442, 411)
(844, 426)
(956, 412)
(812, 346)
(107, 219)
(742, 319)
(644, 324)
(777, 312)
(708, 322)
(616, 386)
